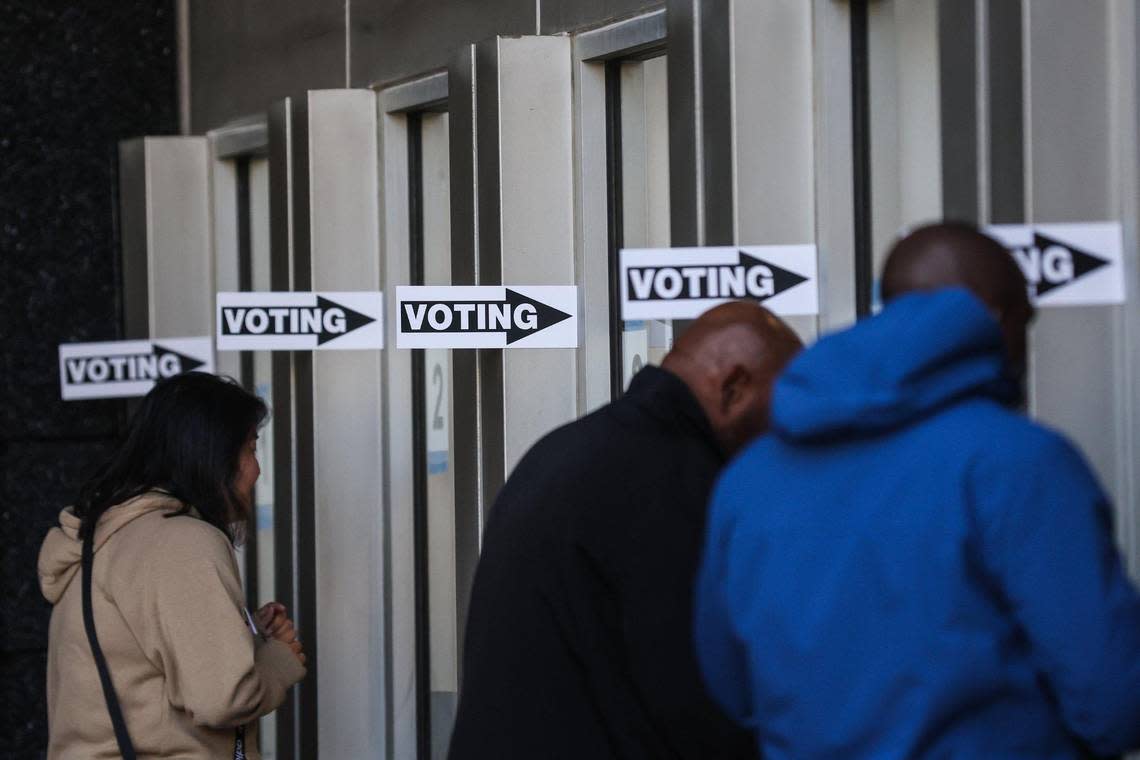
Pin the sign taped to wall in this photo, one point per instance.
(1068, 264)
(127, 368)
(487, 316)
(683, 283)
(300, 321)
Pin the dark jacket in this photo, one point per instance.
(907, 567)
(578, 642)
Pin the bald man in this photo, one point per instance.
(907, 567)
(579, 642)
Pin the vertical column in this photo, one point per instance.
(536, 215)
(399, 530)
(513, 222)
(834, 163)
(906, 119)
(285, 487)
(168, 268)
(337, 219)
(1079, 354)
(700, 121)
(416, 249)
(958, 52)
(260, 372)
(472, 372)
(638, 117)
(774, 128)
(228, 224)
(760, 133)
(1004, 99)
(308, 733)
(1124, 26)
(593, 220)
(229, 213)
(441, 609)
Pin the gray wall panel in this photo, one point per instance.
(394, 39)
(773, 109)
(344, 230)
(1074, 370)
(906, 119)
(958, 50)
(167, 248)
(535, 122)
(280, 133)
(399, 520)
(568, 15)
(685, 191)
(133, 238)
(248, 54)
(1006, 106)
(245, 55)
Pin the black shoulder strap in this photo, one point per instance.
(126, 749)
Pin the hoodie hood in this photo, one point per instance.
(923, 351)
(62, 550)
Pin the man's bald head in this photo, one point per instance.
(954, 254)
(958, 255)
(730, 357)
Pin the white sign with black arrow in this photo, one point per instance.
(1068, 264)
(300, 321)
(683, 283)
(487, 316)
(125, 368)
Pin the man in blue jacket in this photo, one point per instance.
(906, 566)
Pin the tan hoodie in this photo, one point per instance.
(169, 612)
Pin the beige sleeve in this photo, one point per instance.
(278, 666)
(197, 631)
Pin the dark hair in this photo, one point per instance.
(185, 439)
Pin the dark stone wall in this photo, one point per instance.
(75, 78)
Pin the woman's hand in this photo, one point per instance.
(274, 620)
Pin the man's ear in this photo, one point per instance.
(732, 387)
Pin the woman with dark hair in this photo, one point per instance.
(151, 652)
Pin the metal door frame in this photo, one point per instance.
(404, 531)
(597, 53)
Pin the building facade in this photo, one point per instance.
(374, 144)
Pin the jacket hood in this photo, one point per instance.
(923, 351)
(62, 550)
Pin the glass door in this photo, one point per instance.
(638, 120)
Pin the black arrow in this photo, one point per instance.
(782, 279)
(354, 320)
(1083, 262)
(187, 363)
(547, 316)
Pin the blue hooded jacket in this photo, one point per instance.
(905, 567)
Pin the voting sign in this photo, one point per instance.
(683, 283)
(125, 368)
(1067, 264)
(300, 321)
(487, 316)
